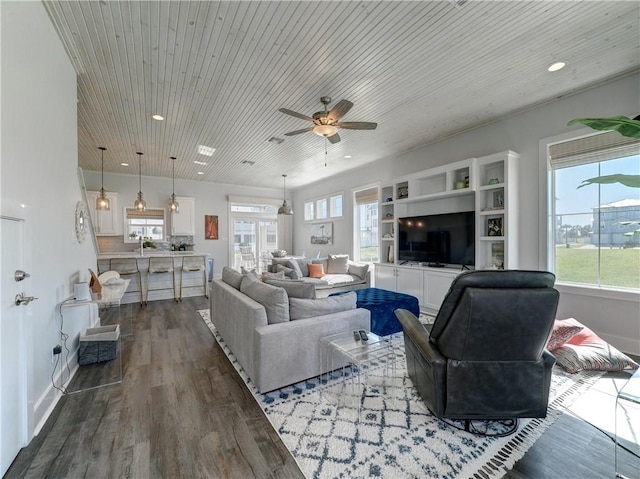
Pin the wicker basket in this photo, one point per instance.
(98, 345)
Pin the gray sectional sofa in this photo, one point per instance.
(274, 330)
(338, 272)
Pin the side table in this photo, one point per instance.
(627, 446)
(339, 348)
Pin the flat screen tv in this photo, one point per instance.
(438, 240)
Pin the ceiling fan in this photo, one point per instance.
(326, 123)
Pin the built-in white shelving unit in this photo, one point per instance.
(485, 185)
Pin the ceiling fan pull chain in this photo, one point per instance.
(325, 152)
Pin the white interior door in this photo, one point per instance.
(12, 370)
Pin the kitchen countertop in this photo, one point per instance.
(149, 254)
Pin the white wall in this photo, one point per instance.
(210, 199)
(521, 133)
(38, 159)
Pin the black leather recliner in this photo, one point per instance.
(485, 357)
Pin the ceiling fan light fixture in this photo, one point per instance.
(102, 202)
(325, 130)
(285, 209)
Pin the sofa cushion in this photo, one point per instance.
(274, 299)
(293, 264)
(232, 277)
(308, 308)
(294, 288)
(267, 275)
(315, 270)
(358, 269)
(288, 272)
(337, 264)
(341, 279)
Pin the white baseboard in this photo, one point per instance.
(47, 402)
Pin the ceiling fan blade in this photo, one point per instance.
(334, 138)
(296, 114)
(297, 132)
(339, 110)
(356, 125)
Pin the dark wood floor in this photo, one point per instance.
(182, 411)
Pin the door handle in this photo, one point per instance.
(19, 275)
(22, 300)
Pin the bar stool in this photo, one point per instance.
(193, 264)
(159, 265)
(127, 266)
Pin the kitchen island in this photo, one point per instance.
(161, 283)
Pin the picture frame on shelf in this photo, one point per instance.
(494, 227)
(497, 255)
(498, 199)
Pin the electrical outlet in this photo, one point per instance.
(57, 349)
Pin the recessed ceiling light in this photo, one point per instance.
(274, 139)
(206, 150)
(124, 164)
(347, 156)
(201, 172)
(556, 66)
(204, 163)
(157, 117)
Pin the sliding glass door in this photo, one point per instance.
(253, 240)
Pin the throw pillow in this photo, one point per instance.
(232, 277)
(294, 288)
(587, 350)
(323, 261)
(293, 264)
(563, 331)
(359, 270)
(337, 264)
(309, 308)
(266, 275)
(274, 300)
(315, 270)
(303, 264)
(288, 272)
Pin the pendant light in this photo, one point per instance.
(102, 202)
(285, 209)
(140, 204)
(174, 207)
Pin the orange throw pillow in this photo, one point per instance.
(315, 270)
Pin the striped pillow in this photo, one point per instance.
(586, 350)
(563, 331)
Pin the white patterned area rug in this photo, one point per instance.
(392, 433)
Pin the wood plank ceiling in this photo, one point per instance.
(219, 71)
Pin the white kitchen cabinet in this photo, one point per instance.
(105, 223)
(184, 222)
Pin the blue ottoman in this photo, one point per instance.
(382, 304)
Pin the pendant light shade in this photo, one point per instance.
(102, 202)
(140, 204)
(285, 209)
(174, 207)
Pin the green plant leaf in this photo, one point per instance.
(632, 181)
(623, 125)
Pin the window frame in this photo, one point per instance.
(313, 205)
(546, 215)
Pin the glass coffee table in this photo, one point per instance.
(342, 350)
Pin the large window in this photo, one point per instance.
(366, 225)
(595, 211)
(323, 208)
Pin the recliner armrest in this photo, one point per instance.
(420, 337)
